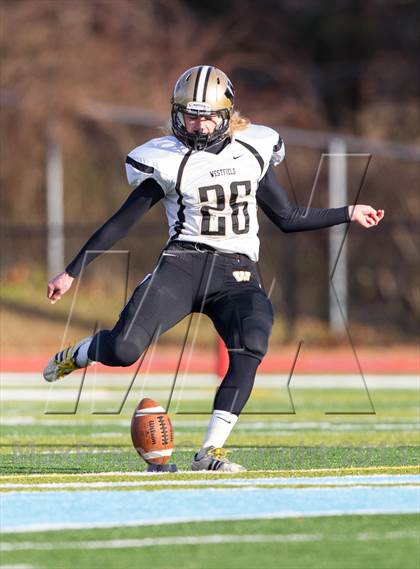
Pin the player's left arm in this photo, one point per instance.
(289, 217)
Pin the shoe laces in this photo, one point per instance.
(67, 365)
(219, 453)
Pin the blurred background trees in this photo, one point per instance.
(350, 67)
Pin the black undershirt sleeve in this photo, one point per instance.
(273, 200)
(138, 203)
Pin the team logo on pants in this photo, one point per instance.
(242, 276)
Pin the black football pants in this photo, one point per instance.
(194, 278)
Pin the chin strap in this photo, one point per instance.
(199, 141)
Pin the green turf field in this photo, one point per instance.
(351, 542)
(280, 437)
(309, 438)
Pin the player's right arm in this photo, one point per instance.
(149, 186)
(138, 203)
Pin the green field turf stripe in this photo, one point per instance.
(29, 421)
(200, 540)
(159, 541)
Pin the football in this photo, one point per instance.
(151, 432)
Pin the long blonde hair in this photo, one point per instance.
(237, 122)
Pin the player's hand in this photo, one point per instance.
(58, 286)
(366, 215)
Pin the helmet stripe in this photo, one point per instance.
(201, 82)
(206, 82)
(196, 84)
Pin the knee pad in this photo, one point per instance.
(125, 352)
(113, 349)
(128, 349)
(255, 334)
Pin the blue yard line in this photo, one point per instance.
(60, 509)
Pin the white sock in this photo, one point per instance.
(82, 359)
(220, 426)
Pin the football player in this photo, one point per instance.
(211, 173)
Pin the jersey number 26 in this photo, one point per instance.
(239, 209)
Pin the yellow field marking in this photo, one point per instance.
(187, 475)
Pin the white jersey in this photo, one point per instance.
(210, 198)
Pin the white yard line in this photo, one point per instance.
(76, 421)
(392, 470)
(88, 451)
(169, 521)
(197, 540)
(19, 566)
(243, 425)
(88, 395)
(160, 541)
(150, 382)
